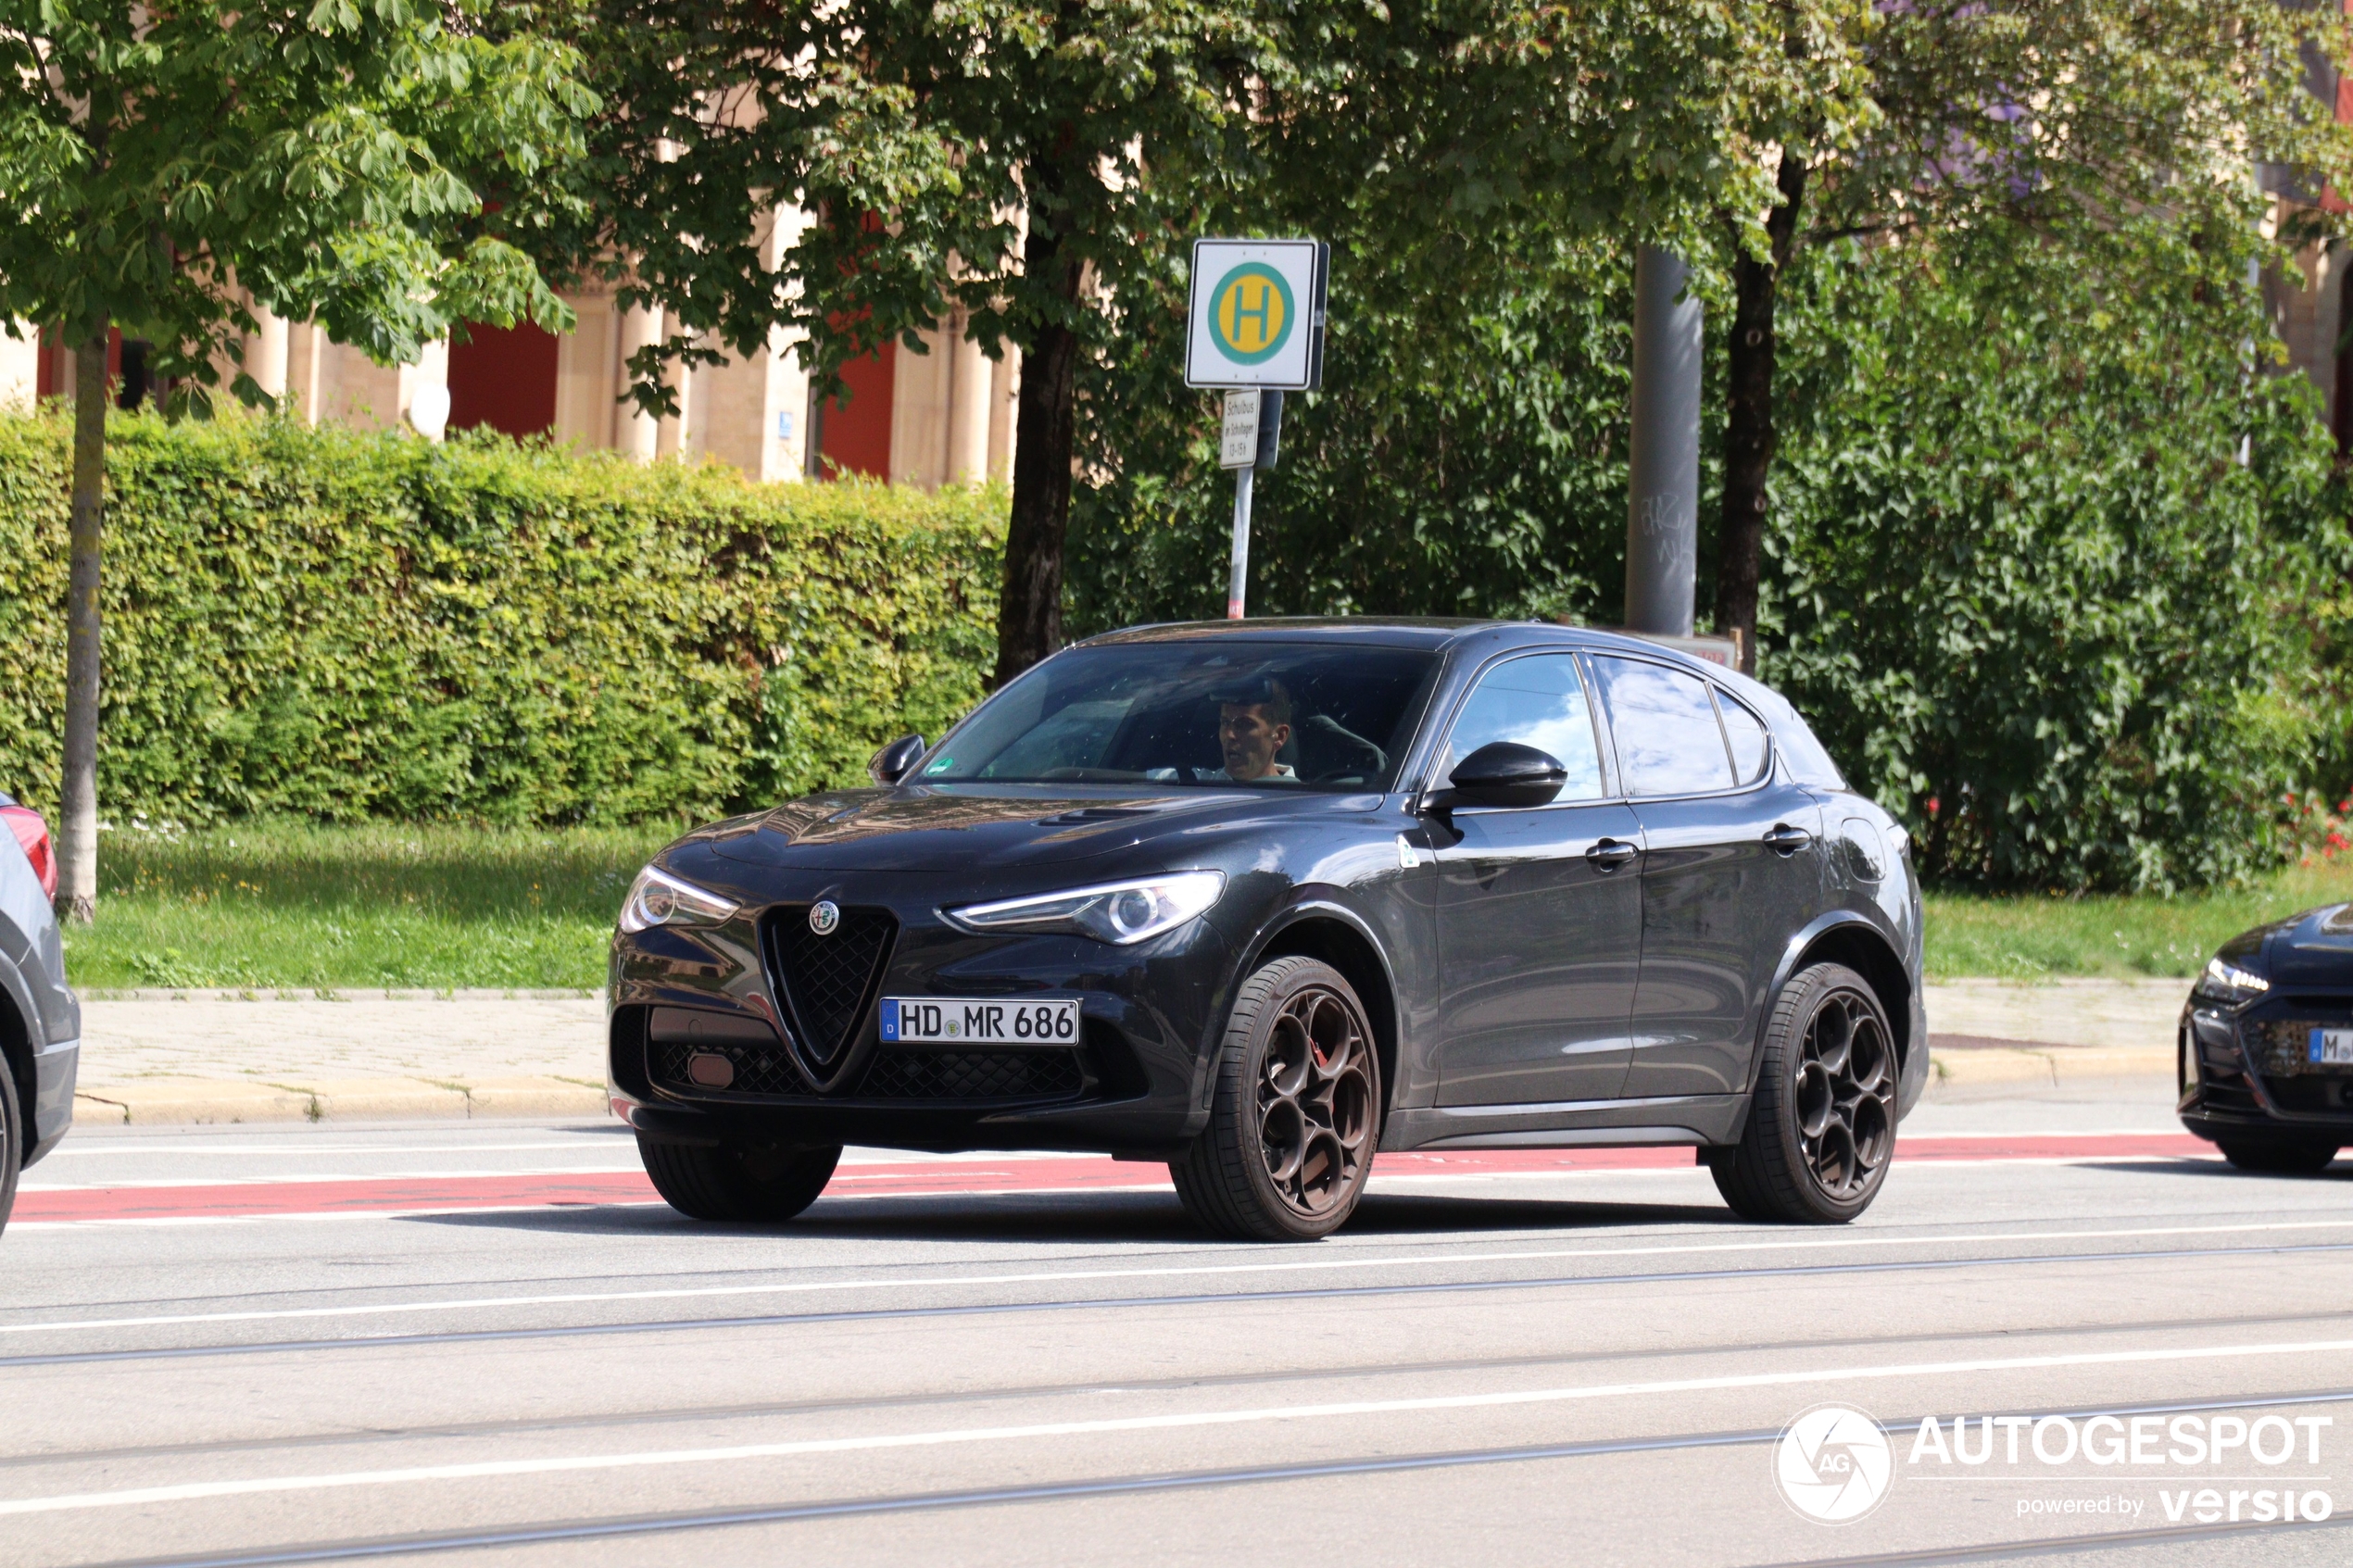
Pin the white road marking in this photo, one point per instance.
(195, 1490)
(1187, 1270)
(166, 1183)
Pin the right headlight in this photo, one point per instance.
(659, 898)
(2228, 984)
(1117, 913)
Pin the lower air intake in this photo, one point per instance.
(971, 1076)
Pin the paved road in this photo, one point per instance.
(297, 1344)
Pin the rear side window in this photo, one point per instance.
(1536, 701)
(1750, 750)
(1669, 742)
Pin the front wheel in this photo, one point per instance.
(1290, 1140)
(739, 1181)
(1822, 1128)
(2278, 1157)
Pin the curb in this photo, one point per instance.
(1953, 1065)
(200, 1102)
(326, 994)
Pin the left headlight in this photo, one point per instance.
(2228, 984)
(659, 898)
(1117, 913)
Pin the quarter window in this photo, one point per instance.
(1536, 701)
(1751, 751)
(1669, 742)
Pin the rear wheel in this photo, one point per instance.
(1822, 1128)
(11, 1140)
(740, 1182)
(2278, 1157)
(1290, 1140)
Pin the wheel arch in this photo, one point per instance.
(1844, 937)
(17, 1022)
(1869, 953)
(1333, 934)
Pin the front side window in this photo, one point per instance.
(1222, 712)
(1669, 741)
(1536, 701)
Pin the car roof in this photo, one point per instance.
(1431, 631)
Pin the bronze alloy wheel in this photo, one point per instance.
(1821, 1126)
(1289, 1141)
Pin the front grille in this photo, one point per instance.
(967, 1075)
(759, 1069)
(2282, 1048)
(828, 982)
(2312, 1096)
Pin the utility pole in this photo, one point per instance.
(1662, 514)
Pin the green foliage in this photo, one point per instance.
(345, 625)
(379, 167)
(1467, 458)
(2020, 570)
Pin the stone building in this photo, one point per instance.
(941, 417)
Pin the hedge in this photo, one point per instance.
(345, 625)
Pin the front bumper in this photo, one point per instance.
(2234, 1072)
(1135, 1082)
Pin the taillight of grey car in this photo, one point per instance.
(2264, 1050)
(1263, 900)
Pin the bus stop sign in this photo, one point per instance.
(1257, 314)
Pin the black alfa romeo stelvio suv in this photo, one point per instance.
(1259, 898)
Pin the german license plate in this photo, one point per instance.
(926, 1020)
(2331, 1048)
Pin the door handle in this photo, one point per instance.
(1608, 854)
(1786, 840)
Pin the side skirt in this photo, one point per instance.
(1668, 1119)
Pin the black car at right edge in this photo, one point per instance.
(2265, 1049)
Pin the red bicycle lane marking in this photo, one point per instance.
(939, 1179)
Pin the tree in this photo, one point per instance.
(1030, 162)
(2064, 117)
(369, 163)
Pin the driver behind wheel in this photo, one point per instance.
(1253, 725)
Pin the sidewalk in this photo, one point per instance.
(199, 1057)
(179, 1058)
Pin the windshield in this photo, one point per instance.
(1270, 715)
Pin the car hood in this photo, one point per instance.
(961, 827)
(2313, 948)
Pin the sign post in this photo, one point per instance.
(1254, 326)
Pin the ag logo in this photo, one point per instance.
(1833, 1463)
(823, 915)
(1250, 313)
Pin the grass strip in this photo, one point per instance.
(290, 905)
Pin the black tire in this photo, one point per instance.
(734, 1182)
(2278, 1156)
(1821, 1126)
(1292, 1132)
(11, 1141)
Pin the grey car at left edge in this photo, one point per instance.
(1567, 890)
(40, 1016)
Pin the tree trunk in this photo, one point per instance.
(1748, 417)
(77, 812)
(1029, 612)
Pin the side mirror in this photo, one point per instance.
(895, 761)
(1505, 774)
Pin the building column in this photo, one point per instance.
(1004, 394)
(269, 352)
(19, 366)
(306, 356)
(971, 382)
(635, 432)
